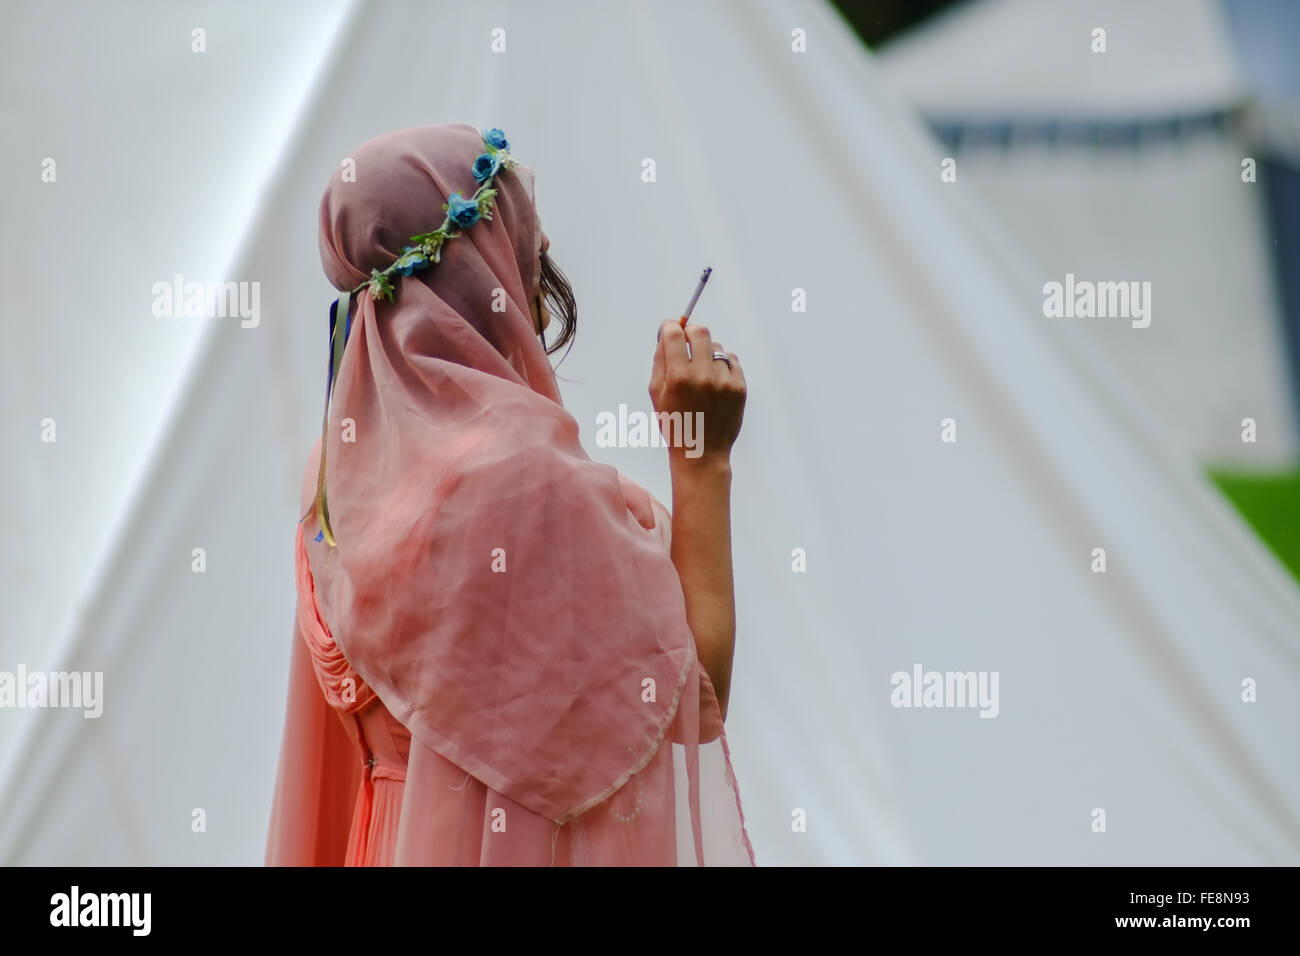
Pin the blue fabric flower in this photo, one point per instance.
(463, 212)
(410, 260)
(486, 166)
(495, 138)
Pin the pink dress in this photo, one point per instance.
(354, 789)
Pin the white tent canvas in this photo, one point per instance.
(1172, 211)
(784, 170)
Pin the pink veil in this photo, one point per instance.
(510, 601)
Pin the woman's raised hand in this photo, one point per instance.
(686, 378)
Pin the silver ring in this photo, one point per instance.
(722, 357)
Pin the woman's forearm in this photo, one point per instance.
(692, 375)
(701, 551)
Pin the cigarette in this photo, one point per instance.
(695, 296)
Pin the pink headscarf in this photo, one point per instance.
(507, 598)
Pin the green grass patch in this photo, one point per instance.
(1271, 505)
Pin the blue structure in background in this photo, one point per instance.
(1266, 34)
(1111, 134)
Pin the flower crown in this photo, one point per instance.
(461, 213)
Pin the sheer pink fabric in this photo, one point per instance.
(493, 666)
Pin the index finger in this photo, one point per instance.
(658, 369)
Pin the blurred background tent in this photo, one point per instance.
(1128, 164)
(783, 159)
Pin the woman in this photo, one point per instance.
(505, 653)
